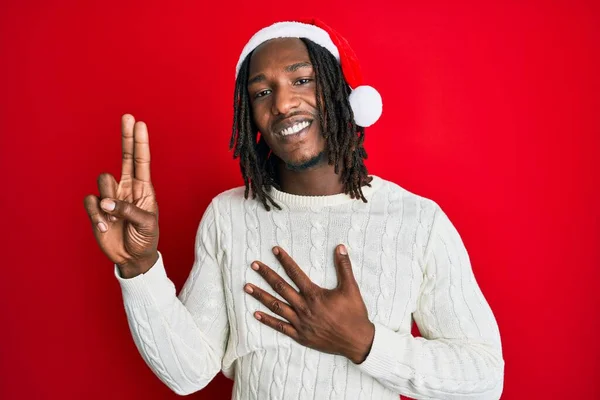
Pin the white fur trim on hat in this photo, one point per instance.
(285, 30)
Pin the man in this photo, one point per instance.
(305, 282)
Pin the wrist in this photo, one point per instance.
(363, 344)
(138, 266)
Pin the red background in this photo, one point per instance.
(490, 110)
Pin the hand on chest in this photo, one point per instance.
(387, 284)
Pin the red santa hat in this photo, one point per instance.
(365, 101)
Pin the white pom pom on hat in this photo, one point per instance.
(366, 105)
(365, 100)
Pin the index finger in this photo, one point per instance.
(293, 270)
(141, 152)
(127, 122)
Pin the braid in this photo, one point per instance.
(253, 152)
(344, 138)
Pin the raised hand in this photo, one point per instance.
(125, 216)
(332, 321)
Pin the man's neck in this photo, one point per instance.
(320, 180)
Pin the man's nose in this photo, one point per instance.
(284, 101)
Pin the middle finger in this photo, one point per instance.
(278, 284)
(274, 304)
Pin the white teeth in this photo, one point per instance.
(295, 128)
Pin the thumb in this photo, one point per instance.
(128, 212)
(343, 266)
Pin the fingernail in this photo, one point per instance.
(107, 205)
(254, 266)
(276, 250)
(113, 218)
(248, 289)
(342, 250)
(257, 316)
(102, 227)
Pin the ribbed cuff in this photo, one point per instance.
(382, 362)
(152, 287)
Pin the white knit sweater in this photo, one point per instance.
(409, 262)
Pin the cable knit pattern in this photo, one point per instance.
(356, 239)
(317, 236)
(357, 236)
(252, 239)
(317, 242)
(226, 224)
(383, 303)
(252, 243)
(144, 339)
(409, 262)
(283, 239)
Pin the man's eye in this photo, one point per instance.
(303, 81)
(262, 93)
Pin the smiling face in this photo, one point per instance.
(282, 91)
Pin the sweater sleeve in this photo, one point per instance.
(181, 338)
(459, 355)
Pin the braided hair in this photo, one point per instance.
(336, 120)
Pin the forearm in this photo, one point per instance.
(439, 369)
(180, 353)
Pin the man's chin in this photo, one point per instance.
(303, 165)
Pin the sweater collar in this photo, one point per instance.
(292, 200)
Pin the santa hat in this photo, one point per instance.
(365, 100)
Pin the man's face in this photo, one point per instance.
(282, 91)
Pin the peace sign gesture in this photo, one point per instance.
(125, 216)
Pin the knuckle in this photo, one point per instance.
(142, 160)
(293, 273)
(89, 201)
(280, 327)
(124, 207)
(275, 306)
(152, 222)
(90, 204)
(103, 177)
(304, 310)
(279, 286)
(312, 295)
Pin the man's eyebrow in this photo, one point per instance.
(297, 66)
(256, 79)
(290, 68)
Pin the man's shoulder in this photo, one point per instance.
(231, 199)
(233, 194)
(408, 208)
(397, 193)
